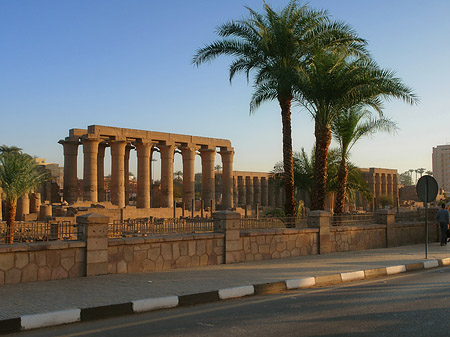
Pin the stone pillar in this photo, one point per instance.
(229, 223)
(256, 190)
(166, 175)
(321, 220)
(272, 192)
(117, 172)
(395, 190)
(127, 174)
(208, 183)
(387, 217)
(188, 155)
(390, 191)
(383, 184)
(96, 236)
(48, 191)
(90, 151)
(101, 172)
(23, 207)
(227, 178)
(151, 174)
(45, 212)
(242, 200)
(70, 185)
(249, 190)
(371, 183)
(143, 175)
(264, 192)
(35, 202)
(235, 192)
(377, 189)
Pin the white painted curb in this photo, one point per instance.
(50, 319)
(236, 292)
(301, 283)
(395, 269)
(431, 264)
(446, 261)
(155, 303)
(352, 276)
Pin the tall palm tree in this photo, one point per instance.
(275, 45)
(334, 83)
(19, 175)
(421, 171)
(347, 129)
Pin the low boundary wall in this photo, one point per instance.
(95, 254)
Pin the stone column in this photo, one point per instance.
(383, 184)
(166, 175)
(208, 183)
(229, 223)
(117, 172)
(143, 175)
(23, 207)
(377, 189)
(70, 185)
(101, 172)
(264, 192)
(390, 191)
(127, 174)
(227, 178)
(395, 190)
(256, 190)
(35, 202)
(151, 174)
(235, 192)
(249, 190)
(387, 217)
(188, 154)
(96, 236)
(371, 183)
(90, 151)
(242, 191)
(321, 220)
(271, 192)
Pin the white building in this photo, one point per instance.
(441, 166)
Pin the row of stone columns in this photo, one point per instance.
(263, 191)
(384, 184)
(93, 166)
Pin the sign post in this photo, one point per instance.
(427, 189)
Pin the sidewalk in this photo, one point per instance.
(21, 303)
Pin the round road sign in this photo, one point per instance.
(427, 188)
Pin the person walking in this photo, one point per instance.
(443, 216)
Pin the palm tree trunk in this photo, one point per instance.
(323, 140)
(10, 217)
(288, 163)
(341, 188)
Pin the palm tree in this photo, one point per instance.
(276, 45)
(19, 175)
(421, 171)
(411, 172)
(347, 129)
(334, 83)
(304, 174)
(430, 173)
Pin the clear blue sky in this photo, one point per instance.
(70, 64)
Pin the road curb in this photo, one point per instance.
(28, 322)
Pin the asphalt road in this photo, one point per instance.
(412, 304)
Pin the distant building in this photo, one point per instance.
(441, 166)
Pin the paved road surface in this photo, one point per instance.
(413, 304)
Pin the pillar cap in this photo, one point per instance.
(319, 213)
(385, 211)
(92, 218)
(226, 215)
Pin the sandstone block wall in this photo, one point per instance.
(351, 238)
(278, 243)
(133, 255)
(41, 261)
